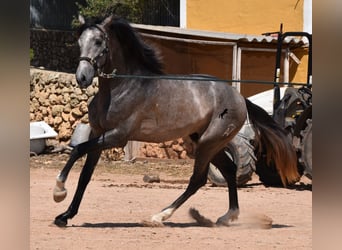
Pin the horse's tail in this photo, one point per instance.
(272, 138)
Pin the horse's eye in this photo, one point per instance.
(98, 42)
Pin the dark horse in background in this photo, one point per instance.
(156, 110)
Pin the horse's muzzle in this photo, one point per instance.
(85, 74)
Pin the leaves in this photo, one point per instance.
(128, 9)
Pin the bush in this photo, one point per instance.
(31, 54)
(128, 9)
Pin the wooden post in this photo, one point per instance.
(131, 150)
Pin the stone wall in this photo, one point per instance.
(54, 50)
(56, 99)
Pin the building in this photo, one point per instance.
(224, 39)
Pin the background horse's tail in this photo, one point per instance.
(272, 138)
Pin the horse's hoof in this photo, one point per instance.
(147, 223)
(231, 215)
(59, 194)
(222, 223)
(60, 221)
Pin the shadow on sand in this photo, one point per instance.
(134, 224)
(166, 224)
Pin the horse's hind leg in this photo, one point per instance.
(197, 180)
(228, 169)
(205, 150)
(87, 171)
(209, 144)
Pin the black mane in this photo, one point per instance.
(89, 22)
(133, 47)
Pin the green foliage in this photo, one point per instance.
(31, 54)
(129, 9)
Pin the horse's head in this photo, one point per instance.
(93, 42)
(113, 44)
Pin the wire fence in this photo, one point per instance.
(58, 14)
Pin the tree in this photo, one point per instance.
(129, 9)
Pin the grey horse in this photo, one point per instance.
(156, 109)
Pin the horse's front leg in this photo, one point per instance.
(59, 192)
(93, 149)
(228, 169)
(87, 171)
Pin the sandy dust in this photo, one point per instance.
(118, 201)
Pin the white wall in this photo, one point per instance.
(182, 13)
(307, 24)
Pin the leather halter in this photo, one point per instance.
(93, 61)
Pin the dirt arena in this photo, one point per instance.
(117, 200)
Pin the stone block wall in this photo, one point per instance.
(56, 99)
(54, 49)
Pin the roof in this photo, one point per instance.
(174, 32)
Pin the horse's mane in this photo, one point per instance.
(89, 22)
(133, 46)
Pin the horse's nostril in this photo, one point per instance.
(83, 78)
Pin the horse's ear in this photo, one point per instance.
(108, 19)
(81, 19)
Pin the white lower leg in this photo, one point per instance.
(231, 215)
(163, 215)
(59, 192)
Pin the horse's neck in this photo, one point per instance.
(126, 65)
(119, 84)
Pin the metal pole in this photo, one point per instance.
(236, 67)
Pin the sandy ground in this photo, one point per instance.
(117, 200)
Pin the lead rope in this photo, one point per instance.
(188, 78)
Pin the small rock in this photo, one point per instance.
(151, 178)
